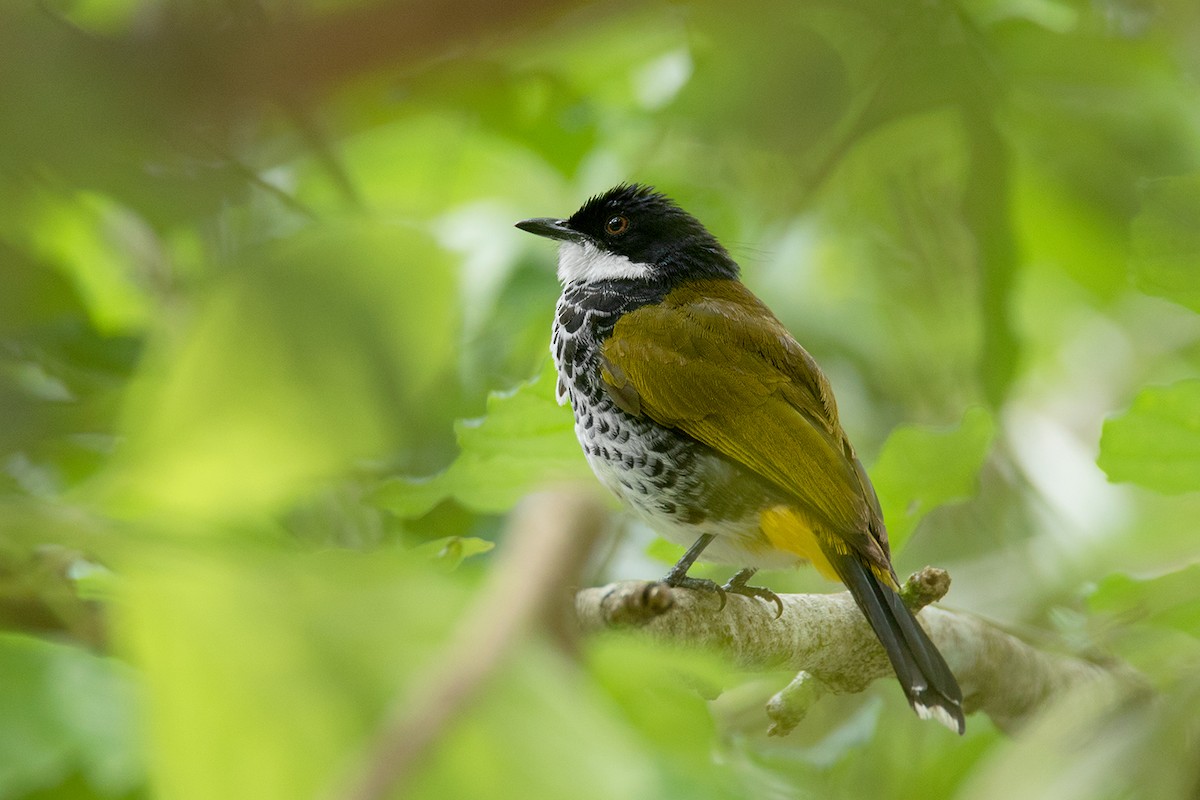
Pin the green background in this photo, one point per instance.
(273, 373)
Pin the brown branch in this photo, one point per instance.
(225, 58)
(548, 539)
(824, 637)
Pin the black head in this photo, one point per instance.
(632, 232)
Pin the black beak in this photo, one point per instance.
(551, 229)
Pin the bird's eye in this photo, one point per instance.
(616, 225)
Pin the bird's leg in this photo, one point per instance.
(678, 576)
(737, 585)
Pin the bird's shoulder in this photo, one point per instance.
(716, 333)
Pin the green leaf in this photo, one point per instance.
(660, 691)
(1153, 623)
(1166, 601)
(542, 735)
(297, 653)
(97, 245)
(450, 551)
(65, 711)
(302, 655)
(1166, 240)
(921, 468)
(1156, 443)
(525, 440)
(322, 350)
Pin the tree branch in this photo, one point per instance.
(824, 637)
(548, 539)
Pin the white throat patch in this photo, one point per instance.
(584, 263)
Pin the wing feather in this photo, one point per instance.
(714, 363)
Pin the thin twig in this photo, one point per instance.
(547, 539)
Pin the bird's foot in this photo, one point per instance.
(696, 584)
(737, 585)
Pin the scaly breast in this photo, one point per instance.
(678, 486)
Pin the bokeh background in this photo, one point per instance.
(273, 373)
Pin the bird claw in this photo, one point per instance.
(699, 585)
(735, 587)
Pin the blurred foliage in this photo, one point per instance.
(522, 442)
(67, 713)
(256, 259)
(1166, 244)
(1156, 443)
(919, 469)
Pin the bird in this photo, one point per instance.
(702, 413)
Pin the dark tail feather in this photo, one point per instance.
(929, 684)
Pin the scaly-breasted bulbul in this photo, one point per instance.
(698, 409)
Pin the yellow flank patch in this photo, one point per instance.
(788, 530)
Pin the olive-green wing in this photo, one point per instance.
(713, 362)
